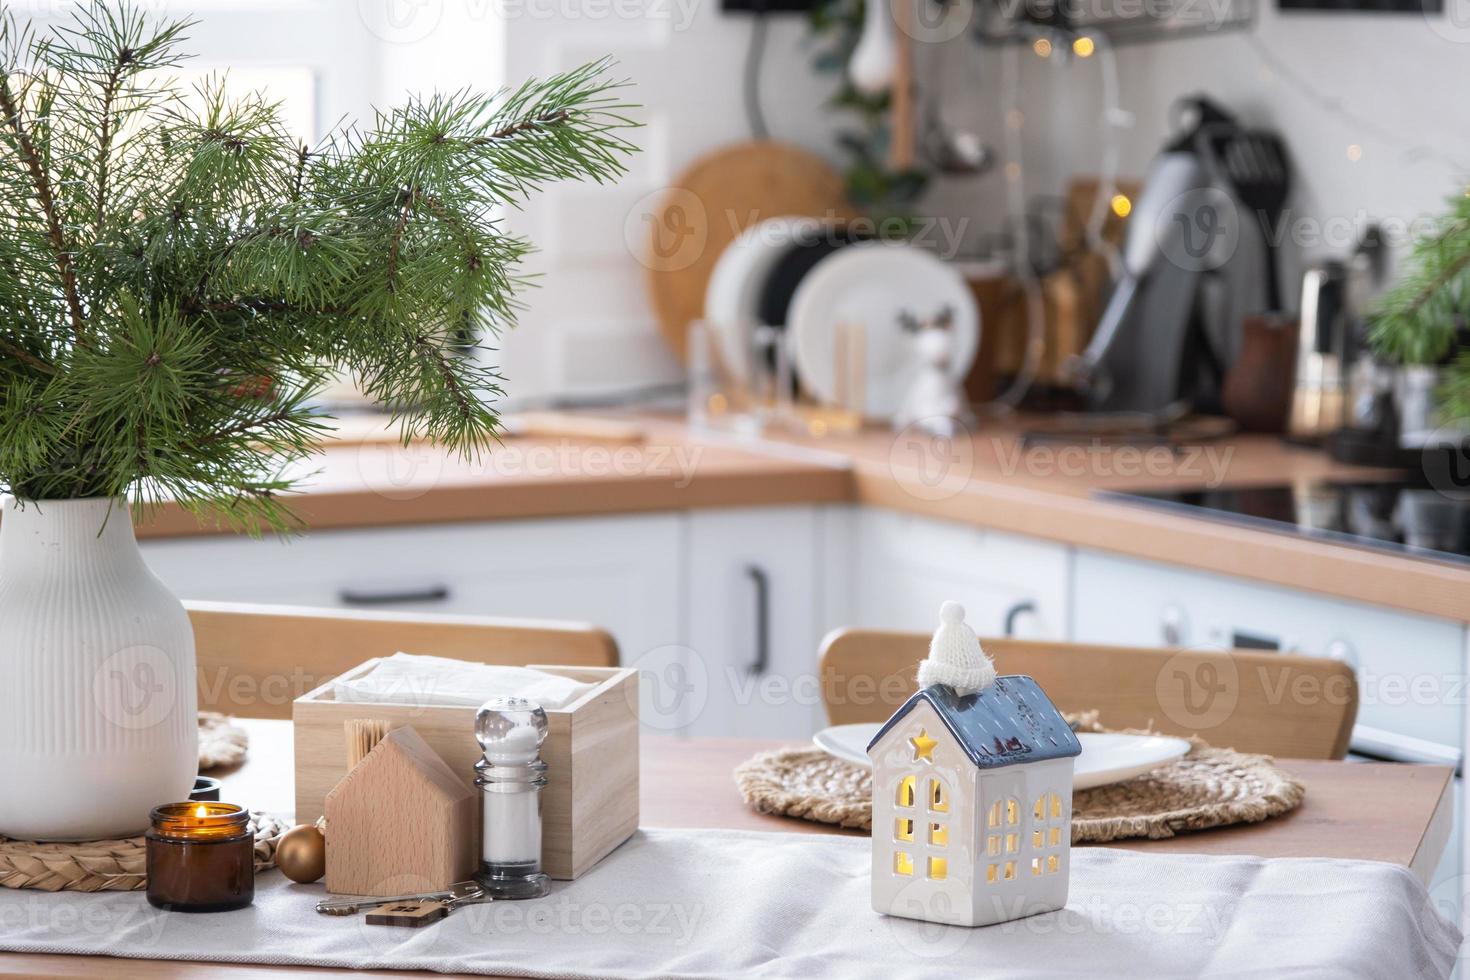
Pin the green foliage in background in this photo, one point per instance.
(179, 276)
(882, 193)
(1420, 320)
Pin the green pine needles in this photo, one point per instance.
(1420, 318)
(179, 277)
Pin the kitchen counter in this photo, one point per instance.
(985, 480)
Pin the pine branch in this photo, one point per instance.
(45, 198)
(228, 271)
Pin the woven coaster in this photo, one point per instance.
(106, 865)
(1209, 787)
(220, 742)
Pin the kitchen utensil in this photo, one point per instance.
(875, 284)
(351, 906)
(1258, 388)
(1106, 757)
(787, 273)
(1317, 401)
(1259, 167)
(712, 202)
(957, 153)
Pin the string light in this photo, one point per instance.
(1354, 152)
(1013, 171)
(1042, 47)
(1121, 205)
(1084, 46)
(1015, 118)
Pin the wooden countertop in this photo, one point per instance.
(985, 480)
(687, 783)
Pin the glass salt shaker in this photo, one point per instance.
(510, 731)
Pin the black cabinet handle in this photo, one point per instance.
(1015, 612)
(387, 595)
(762, 585)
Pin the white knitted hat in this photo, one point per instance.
(955, 657)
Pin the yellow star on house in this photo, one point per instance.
(923, 746)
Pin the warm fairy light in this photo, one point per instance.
(817, 427)
(1015, 118)
(1042, 47)
(1013, 171)
(718, 404)
(1355, 152)
(1084, 46)
(1121, 205)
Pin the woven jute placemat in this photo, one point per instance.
(1209, 787)
(106, 865)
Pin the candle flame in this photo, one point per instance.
(201, 811)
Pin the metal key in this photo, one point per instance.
(457, 892)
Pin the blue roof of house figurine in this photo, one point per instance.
(1009, 722)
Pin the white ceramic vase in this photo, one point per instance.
(97, 697)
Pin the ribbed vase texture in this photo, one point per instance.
(97, 690)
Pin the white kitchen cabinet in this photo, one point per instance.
(902, 567)
(754, 623)
(1410, 668)
(621, 573)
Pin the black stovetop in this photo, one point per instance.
(1406, 518)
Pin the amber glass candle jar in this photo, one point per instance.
(201, 857)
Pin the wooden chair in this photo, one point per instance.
(1249, 700)
(255, 660)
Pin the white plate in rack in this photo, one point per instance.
(1106, 757)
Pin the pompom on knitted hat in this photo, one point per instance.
(955, 656)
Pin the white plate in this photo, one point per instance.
(732, 298)
(1106, 758)
(872, 283)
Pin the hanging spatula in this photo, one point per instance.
(1259, 167)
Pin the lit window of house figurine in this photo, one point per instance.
(972, 792)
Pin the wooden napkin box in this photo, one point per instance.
(590, 803)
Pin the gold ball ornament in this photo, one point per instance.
(302, 854)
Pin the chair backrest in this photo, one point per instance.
(1249, 700)
(255, 660)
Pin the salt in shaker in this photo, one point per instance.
(510, 731)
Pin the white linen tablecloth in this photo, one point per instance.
(703, 903)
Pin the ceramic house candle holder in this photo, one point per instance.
(972, 793)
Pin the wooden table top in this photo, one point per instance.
(1371, 811)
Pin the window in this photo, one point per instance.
(903, 864)
(906, 791)
(1046, 835)
(938, 868)
(904, 830)
(938, 801)
(938, 835)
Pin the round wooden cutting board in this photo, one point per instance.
(711, 203)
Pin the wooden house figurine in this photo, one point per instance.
(972, 792)
(400, 821)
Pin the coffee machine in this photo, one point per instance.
(1190, 271)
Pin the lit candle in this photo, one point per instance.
(201, 857)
